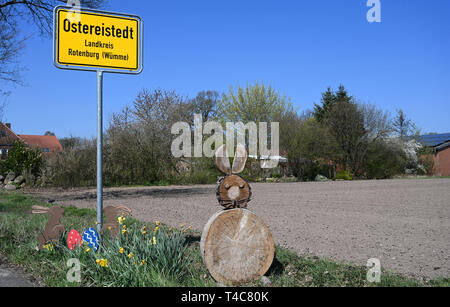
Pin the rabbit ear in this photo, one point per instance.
(39, 210)
(222, 160)
(240, 157)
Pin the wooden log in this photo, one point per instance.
(233, 191)
(237, 247)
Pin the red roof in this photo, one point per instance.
(42, 141)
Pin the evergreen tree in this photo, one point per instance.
(329, 100)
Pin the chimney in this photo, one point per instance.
(8, 125)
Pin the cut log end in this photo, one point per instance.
(237, 247)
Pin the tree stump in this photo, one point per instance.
(236, 246)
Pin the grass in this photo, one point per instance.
(19, 230)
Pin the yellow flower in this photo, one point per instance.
(156, 228)
(154, 240)
(121, 250)
(124, 231)
(157, 223)
(121, 219)
(182, 225)
(102, 262)
(144, 228)
(130, 255)
(144, 232)
(48, 246)
(143, 262)
(87, 250)
(124, 227)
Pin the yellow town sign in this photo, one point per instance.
(94, 40)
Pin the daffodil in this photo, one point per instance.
(130, 255)
(154, 240)
(157, 223)
(143, 262)
(144, 232)
(121, 250)
(102, 262)
(48, 247)
(121, 219)
(124, 231)
(156, 228)
(87, 250)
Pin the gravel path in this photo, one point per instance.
(404, 223)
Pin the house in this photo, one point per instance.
(266, 162)
(440, 144)
(47, 143)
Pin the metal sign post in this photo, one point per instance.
(99, 150)
(99, 41)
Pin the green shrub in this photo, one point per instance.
(384, 160)
(74, 167)
(343, 174)
(22, 159)
(275, 175)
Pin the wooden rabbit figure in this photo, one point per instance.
(53, 229)
(111, 213)
(236, 245)
(232, 190)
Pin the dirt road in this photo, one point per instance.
(404, 223)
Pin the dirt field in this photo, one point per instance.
(404, 223)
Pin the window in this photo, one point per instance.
(45, 149)
(2, 134)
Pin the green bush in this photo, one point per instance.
(384, 160)
(275, 175)
(22, 159)
(75, 167)
(343, 174)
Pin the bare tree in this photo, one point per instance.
(205, 103)
(138, 140)
(403, 126)
(12, 42)
(38, 11)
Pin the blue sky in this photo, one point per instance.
(299, 47)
